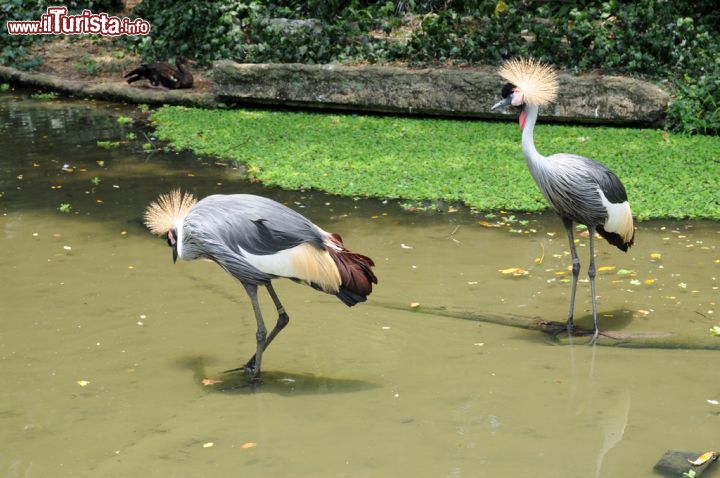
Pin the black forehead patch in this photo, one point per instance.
(507, 90)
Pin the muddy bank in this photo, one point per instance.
(465, 93)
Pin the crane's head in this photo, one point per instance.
(164, 215)
(530, 82)
(512, 96)
(172, 240)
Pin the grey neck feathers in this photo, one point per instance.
(528, 143)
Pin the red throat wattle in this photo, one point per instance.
(522, 119)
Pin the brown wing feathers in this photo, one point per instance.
(356, 275)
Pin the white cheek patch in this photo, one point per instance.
(517, 98)
(178, 239)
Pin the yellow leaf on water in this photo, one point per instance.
(702, 459)
(649, 281)
(414, 305)
(515, 271)
(606, 268)
(250, 444)
(655, 256)
(487, 224)
(83, 383)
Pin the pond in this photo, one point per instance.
(105, 343)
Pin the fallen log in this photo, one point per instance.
(558, 334)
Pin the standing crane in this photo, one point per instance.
(579, 189)
(256, 240)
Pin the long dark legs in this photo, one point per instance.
(591, 275)
(282, 321)
(575, 270)
(252, 368)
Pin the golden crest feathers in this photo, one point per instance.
(537, 81)
(162, 214)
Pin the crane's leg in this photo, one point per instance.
(253, 370)
(575, 270)
(282, 321)
(591, 275)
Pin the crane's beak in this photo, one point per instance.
(504, 102)
(174, 247)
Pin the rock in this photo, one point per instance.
(446, 92)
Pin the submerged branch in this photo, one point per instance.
(557, 331)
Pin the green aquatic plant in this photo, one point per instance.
(65, 208)
(124, 120)
(47, 96)
(477, 163)
(108, 144)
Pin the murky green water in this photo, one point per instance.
(362, 392)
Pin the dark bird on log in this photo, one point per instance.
(164, 74)
(256, 240)
(579, 189)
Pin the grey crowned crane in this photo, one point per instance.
(579, 189)
(164, 74)
(256, 240)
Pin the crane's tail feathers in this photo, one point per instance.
(356, 275)
(616, 239)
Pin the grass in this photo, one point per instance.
(473, 162)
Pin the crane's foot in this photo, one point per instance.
(248, 369)
(596, 334)
(570, 327)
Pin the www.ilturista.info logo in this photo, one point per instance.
(57, 22)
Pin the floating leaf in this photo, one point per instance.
(414, 305)
(250, 444)
(625, 272)
(488, 224)
(210, 381)
(656, 256)
(83, 383)
(515, 271)
(702, 459)
(649, 281)
(208, 444)
(606, 268)
(715, 331)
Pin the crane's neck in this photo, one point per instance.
(528, 142)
